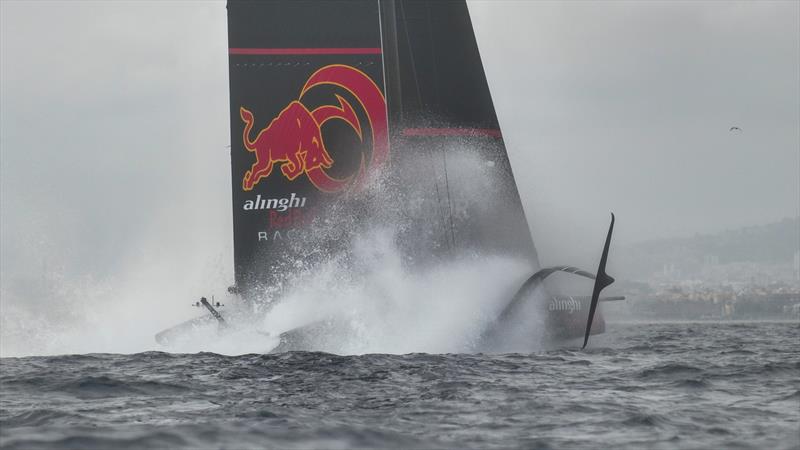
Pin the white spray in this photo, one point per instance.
(378, 299)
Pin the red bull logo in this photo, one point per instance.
(293, 140)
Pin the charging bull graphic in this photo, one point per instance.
(293, 140)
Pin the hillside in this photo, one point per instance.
(774, 244)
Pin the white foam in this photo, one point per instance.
(381, 301)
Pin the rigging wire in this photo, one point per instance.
(438, 101)
(450, 244)
(449, 203)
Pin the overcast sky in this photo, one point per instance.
(628, 105)
(114, 122)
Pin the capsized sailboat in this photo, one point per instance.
(344, 111)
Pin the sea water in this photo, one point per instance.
(644, 385)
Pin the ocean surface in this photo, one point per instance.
(663, 385)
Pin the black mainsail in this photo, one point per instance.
(325, 93)
(308, 119)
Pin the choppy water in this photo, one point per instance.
(696, 385)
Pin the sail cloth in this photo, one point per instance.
(324, 94)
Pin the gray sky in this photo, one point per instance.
(627, 106)
(114, 122)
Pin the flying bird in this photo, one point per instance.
(735, 129)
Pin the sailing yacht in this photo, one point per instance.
(348, 113)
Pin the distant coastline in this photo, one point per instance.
(702, 321)
(749, 274)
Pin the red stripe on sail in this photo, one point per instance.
(305, 51)
(489, 132)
